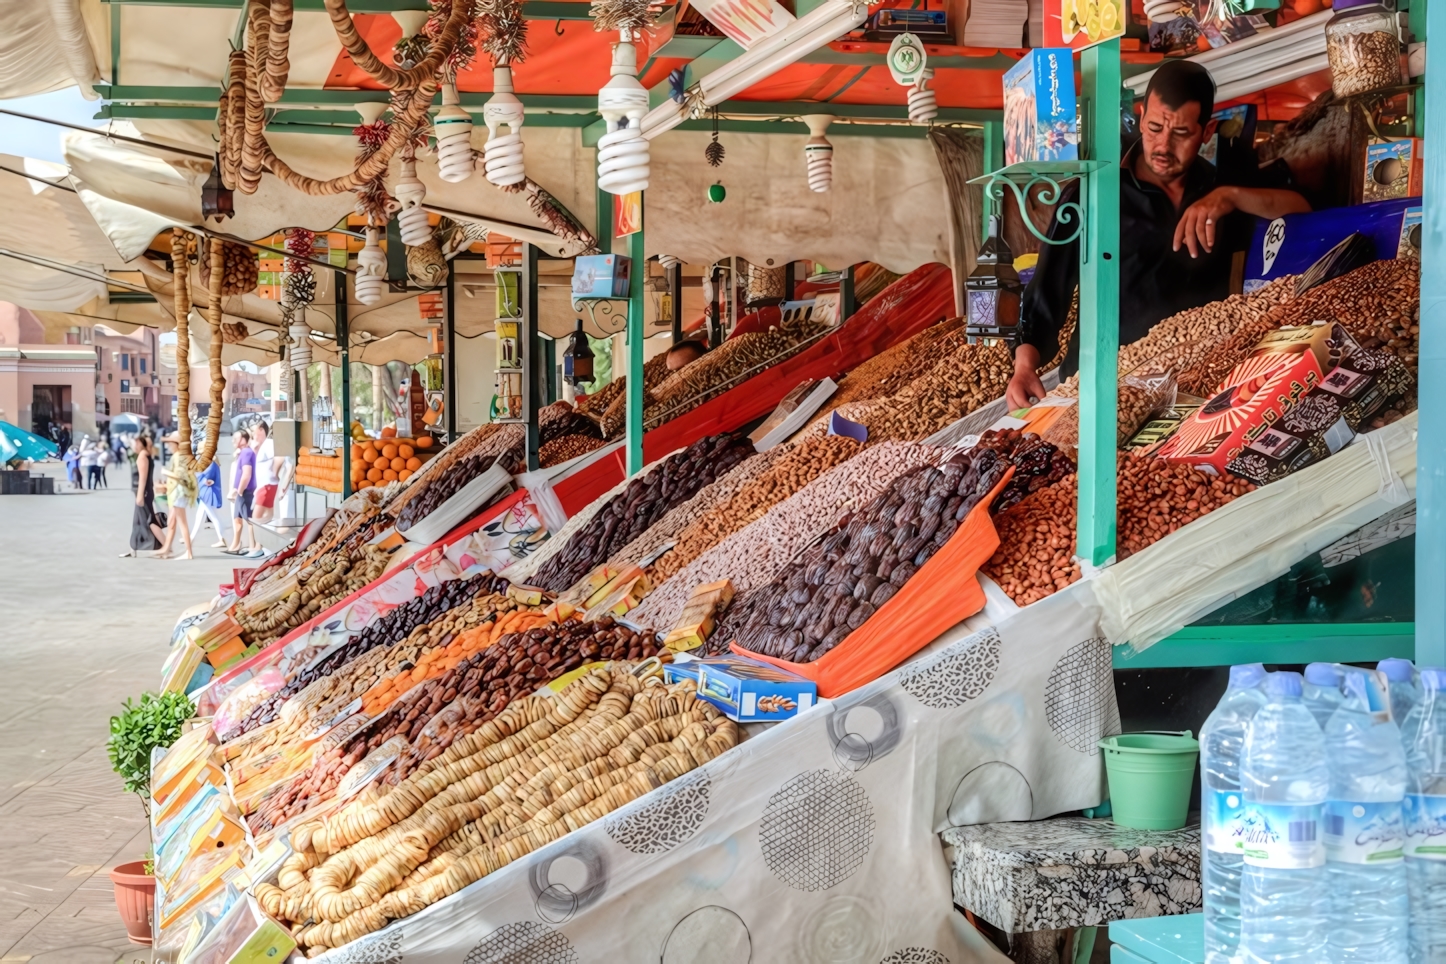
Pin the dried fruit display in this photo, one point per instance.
(893, 369)
(317, 587)
(559, 419)
(812, 606)
(800, 466)
(1037, 464)
(565, 448)
(542, 768)
(969, 377)
(644, 501)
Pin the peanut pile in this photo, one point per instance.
(566, 447)
(965, 379)
(799, 467)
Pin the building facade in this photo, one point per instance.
(45, 381)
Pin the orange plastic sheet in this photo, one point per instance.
(943, 593)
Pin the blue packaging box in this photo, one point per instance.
(1291, 244)
(676, 672)
(1040, 118)
(751, 691)
(601, 276)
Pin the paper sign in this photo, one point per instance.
(744, 21)
(1078, 24)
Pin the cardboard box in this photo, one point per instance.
(697, 621)
(245, 935)
(1077, 24)
(1297, 440)
(1286, 365)
(1409, 245)
(601, 276)
(1393, 170)
(1040, 120)
(1367, 381)
(750, 691)
(677, 672)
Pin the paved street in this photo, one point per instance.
(82, 630)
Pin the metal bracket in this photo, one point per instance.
(1024, 177)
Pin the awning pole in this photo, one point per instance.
(449, 361)
(344, 356)
(533, 388)
(635, 352)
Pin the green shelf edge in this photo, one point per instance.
(1024, 170)
(1279, 643)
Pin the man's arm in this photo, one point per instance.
(1196, 229)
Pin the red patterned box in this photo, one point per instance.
(1257, 393)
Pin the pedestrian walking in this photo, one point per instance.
(266, 480)
(72, 466)
(209, 504)
(90, 462)
(146, 531)
(243, 490)
(104, 461)
(181, 494)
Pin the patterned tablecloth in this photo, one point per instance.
(1073, 872)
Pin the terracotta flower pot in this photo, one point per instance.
(135, 898)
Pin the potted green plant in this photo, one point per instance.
(155, 721)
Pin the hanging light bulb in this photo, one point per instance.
(818, 152)
(503, 154)
(410, 192)
(453, 129)
(622, 153)
(371, 269)
(667, 261)
(299, 332)
(577, 361)
(908, 62)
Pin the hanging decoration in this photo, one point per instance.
(426, 265)
(818, 152)
(623, 162)
(505, 40)
(298, 291)
(372, 200)
(908, 62)
(714, 152)
(371, 269)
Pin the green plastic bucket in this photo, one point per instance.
(1150, 778)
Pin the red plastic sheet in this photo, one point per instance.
(900, 311)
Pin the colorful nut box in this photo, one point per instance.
(1040, 122)
(750, 691)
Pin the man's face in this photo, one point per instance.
(1171, 138)
(259, 437)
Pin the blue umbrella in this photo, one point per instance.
(18, 444)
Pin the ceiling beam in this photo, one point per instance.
(301, 121)
(302, 98)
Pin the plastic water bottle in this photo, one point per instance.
(1284, 901)
(1222, 742)
(1425, 813)
(1401, 676)
(1321, 693)
(1364, 834)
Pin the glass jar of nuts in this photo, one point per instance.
(1364, 48)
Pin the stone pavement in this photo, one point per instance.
(80, 630)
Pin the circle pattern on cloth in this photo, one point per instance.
(955, 675)
(1079, 697)
(817, 830)
(667, 821)
(525, 942)
(854, 751)
(556, 901)
(709, 935)
(915, 955)
(373, 949)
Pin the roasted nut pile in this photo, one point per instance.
(799, 467)
(542, 768)
(566, 447)
(813, 606)
(608, 406)
(753, 555)
(721, 368)
(1157, 497)
(970, 376)
(394, 626)
(1134, 406)
(560, 419)
(645, 500)
(894, 368)
(319, 586)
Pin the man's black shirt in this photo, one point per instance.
(1155, 281)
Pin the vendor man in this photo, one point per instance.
(1179, 230)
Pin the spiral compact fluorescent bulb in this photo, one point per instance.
(623, 153)
(819, 153)
(453, 129)
(300, 351)
(371, 269)
(503, 154)
(923, 101)
(669, 260)
(410, 192)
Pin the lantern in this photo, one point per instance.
(216, 198)
(993, 293)
(577, 360)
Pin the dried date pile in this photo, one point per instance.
(1037, 464)
(813, 606)
(800, 466)
(644, 501)
(440, 488)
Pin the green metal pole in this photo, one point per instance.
(532, 360)
(993, 161)
(1431, 437)
(635, 354)
(604, 222)
(1099, 302)
(449, 365)
(345, 359)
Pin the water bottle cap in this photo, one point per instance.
(1286, 684)
(1246, 676)
(1396, 670)
(1322, 674)
(1433, 678)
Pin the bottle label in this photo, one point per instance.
(1363, 833)
(1286, 836)
(1425, 826)
(1224, 821)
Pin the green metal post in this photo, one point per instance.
(1431, 437)
(635, 354)
(1099, 302)
(604, 222)
(396, 254)
(532, 360)
(993, 161)
(449, 363)
(344, 358)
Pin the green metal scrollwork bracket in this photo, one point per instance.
(1024, 177)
